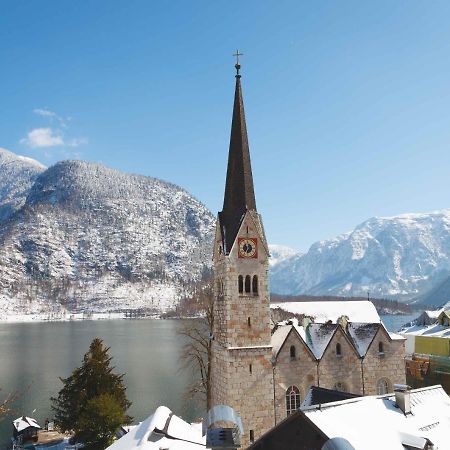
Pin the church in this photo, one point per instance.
(262, 371)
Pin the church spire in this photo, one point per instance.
(239, 193)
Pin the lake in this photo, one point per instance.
(34, 355)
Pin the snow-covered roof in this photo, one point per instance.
(324, 311)
(370, 423)
(22, 423)
(362, 335)
(318, 336)
(434, 330)
(162, 430)
(278, 338)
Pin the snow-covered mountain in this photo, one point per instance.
(17, 175)
(395, 257)
(93, 238)
(279, 253)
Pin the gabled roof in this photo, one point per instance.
(239, 192)
(22, 423)
(362, 335)
(376, 422)
(164, 430)
(281, 334)
(318, 336)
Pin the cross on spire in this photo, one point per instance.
(237, 65)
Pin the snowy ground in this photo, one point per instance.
(14, 318)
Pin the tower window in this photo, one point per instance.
(338, 350)
(252, 436)
(255, 284)
(250, 368)
(292, 351)
(241, 284)
(247, 284)
(292, 399)
(249, 323)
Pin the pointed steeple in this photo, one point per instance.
(239, 192)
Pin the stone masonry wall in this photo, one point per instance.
(345, 369)
(300, 371)
(390, 365)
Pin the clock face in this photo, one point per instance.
(248, 248)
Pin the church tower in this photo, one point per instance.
(241, 350)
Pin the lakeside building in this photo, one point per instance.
(264, 374)
(409, 419)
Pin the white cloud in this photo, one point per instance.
(44, 112)
(77, 142)
(43, 137)
(51, 136)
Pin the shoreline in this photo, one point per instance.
(69, 317)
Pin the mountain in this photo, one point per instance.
(279, 253)
(438, 295)
(91, 238)
(395, 257)
(18, 174)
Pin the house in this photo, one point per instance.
(408, 419)
(25, 429)
(162, 430)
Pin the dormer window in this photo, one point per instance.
(338, 350)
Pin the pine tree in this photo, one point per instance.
(92, 390)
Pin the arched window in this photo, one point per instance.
(292, 351)
(292, 399)
(255, 284)
(380, 348)
(247, 284)
(241, 284)
(338, 350)
(341, 387)
(383, 386)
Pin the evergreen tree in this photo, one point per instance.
(92, 391)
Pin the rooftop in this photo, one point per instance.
(376, 422)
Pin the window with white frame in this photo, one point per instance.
(292, 399)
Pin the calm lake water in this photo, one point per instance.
(34, 355)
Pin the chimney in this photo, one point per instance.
(403, 397)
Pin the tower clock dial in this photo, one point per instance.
(248, 248)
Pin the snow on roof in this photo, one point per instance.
(434, 330)
(318, 335)
(370, 423)
(356, 311)
(164, 430)
(22, 423)
(278, 338)
(362, 335)
(433, 314)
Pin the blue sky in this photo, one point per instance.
(347, 102)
